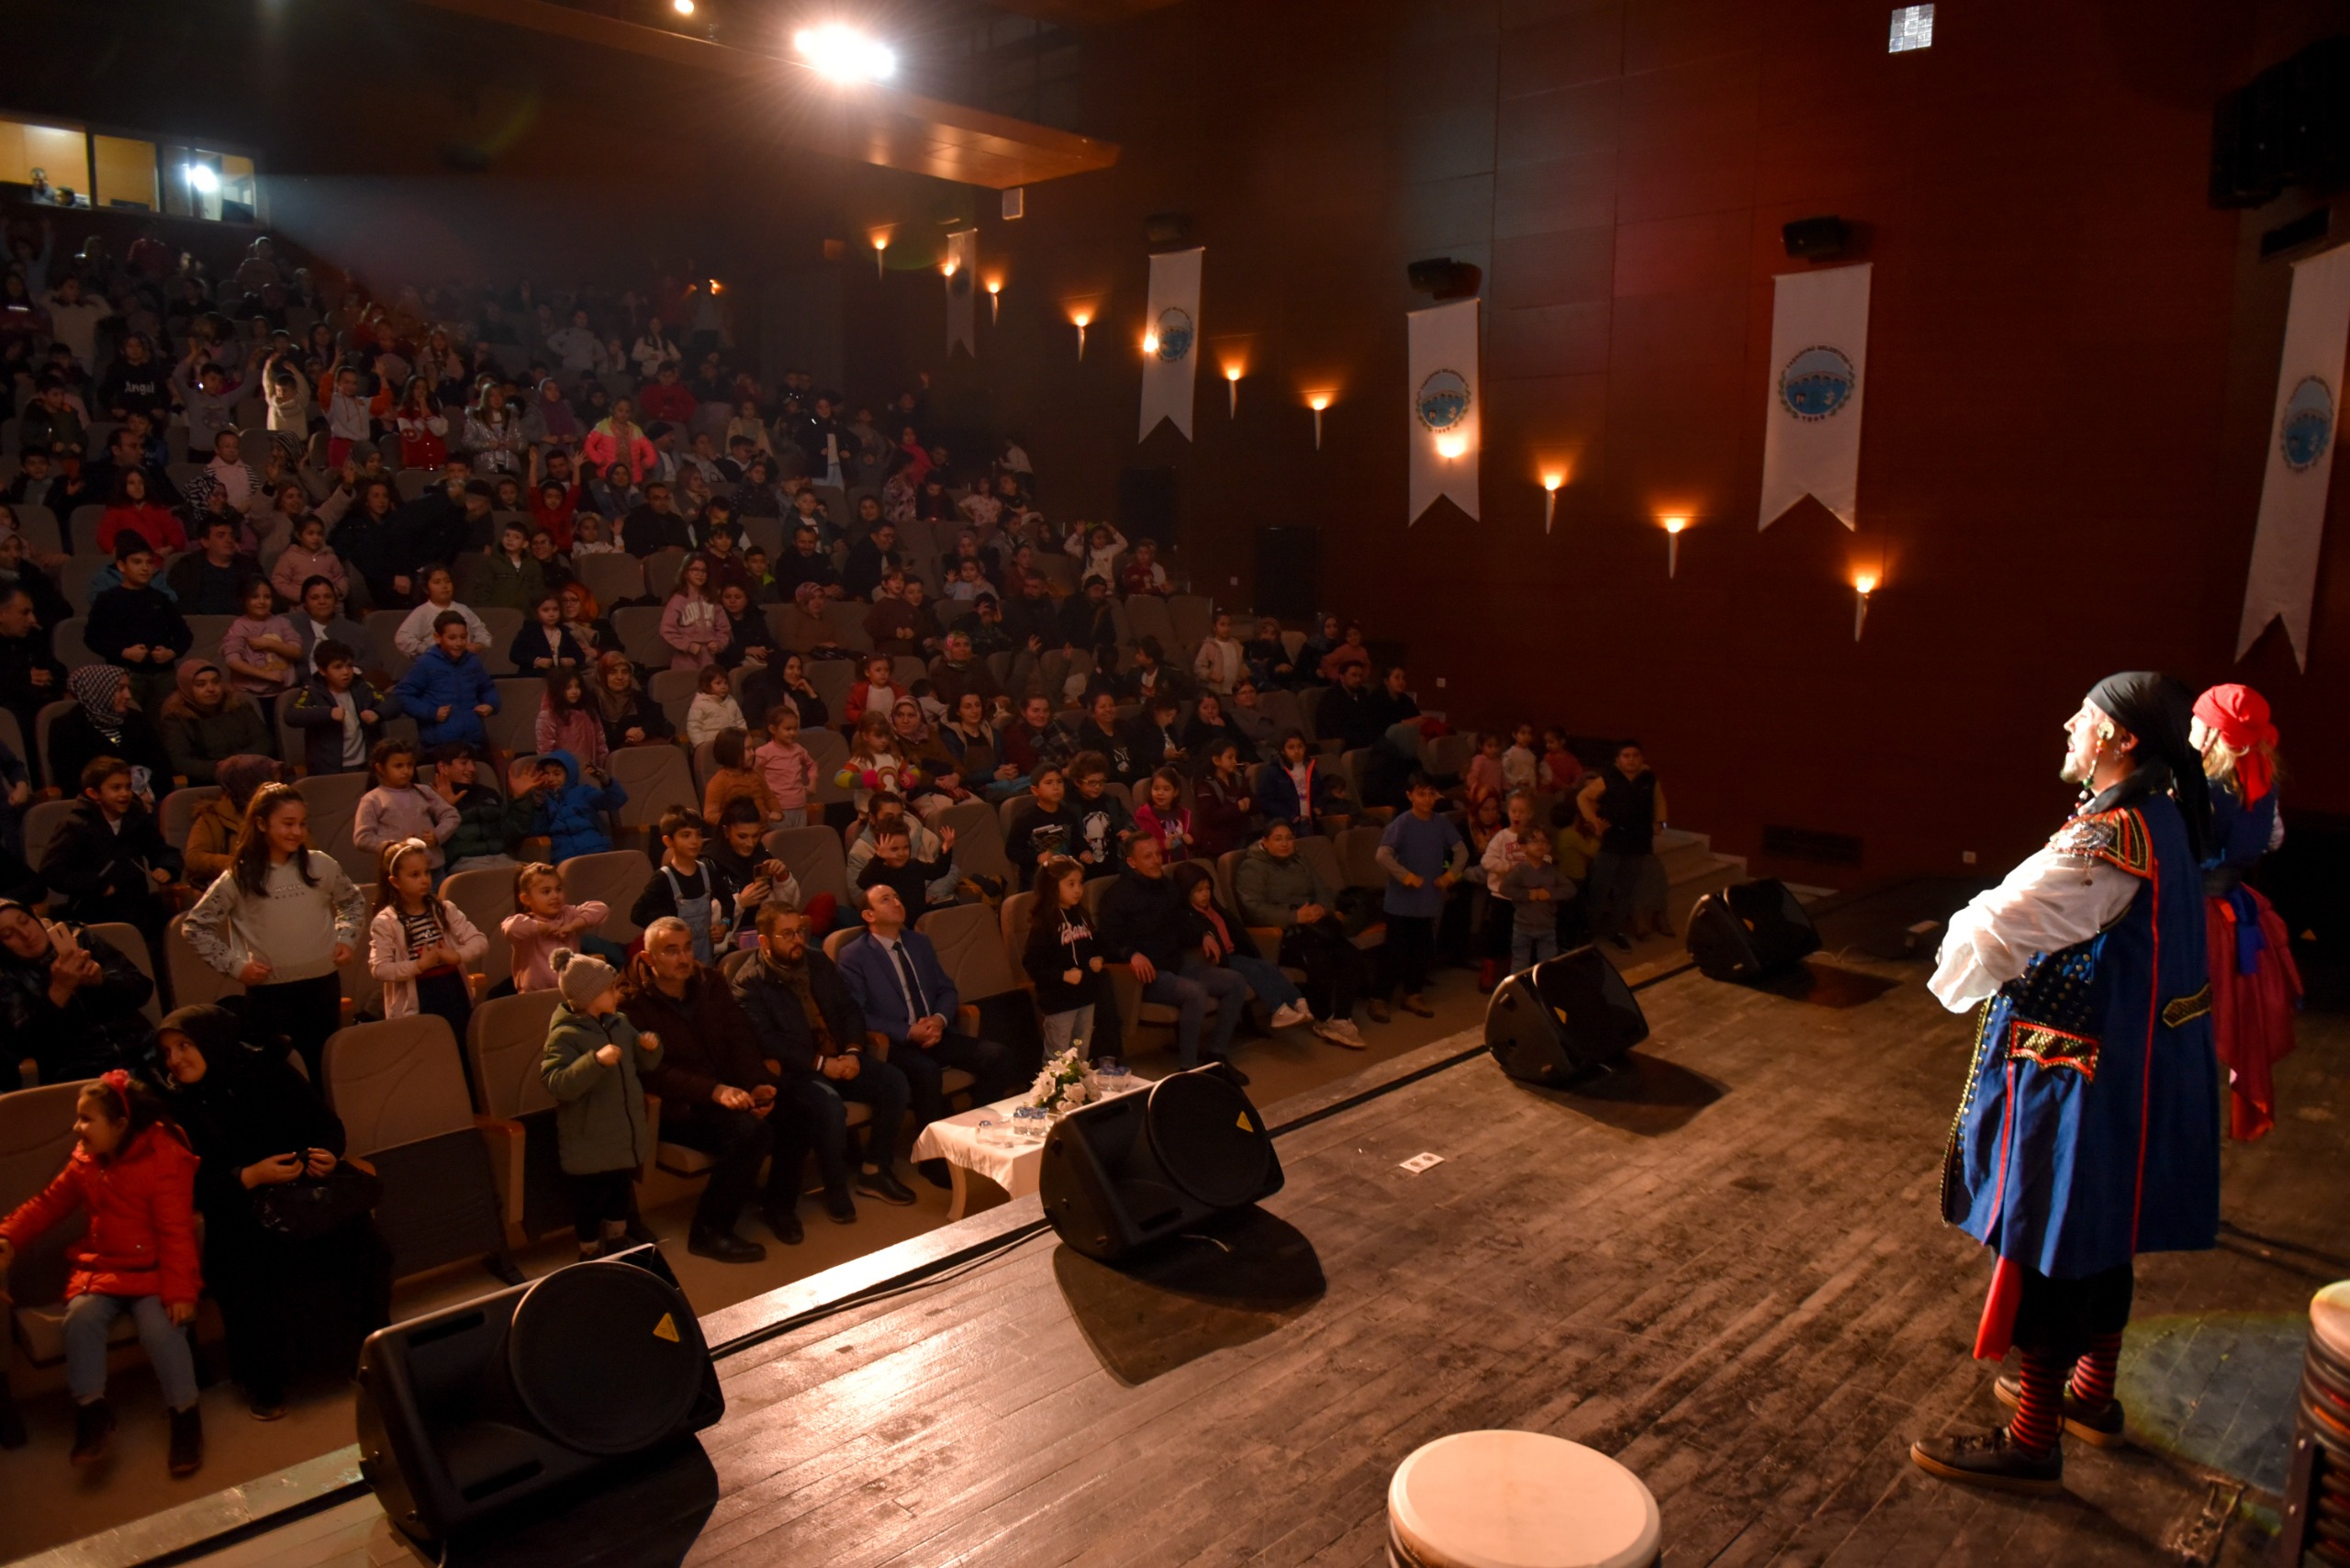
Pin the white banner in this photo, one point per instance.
(2300, 455)
(1819, 352)
(962, 283)
(1170, 343)
(1445, 408)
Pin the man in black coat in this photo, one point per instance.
(378, 545)
(869, 558)
(69, 1000)
(801, 1010)
(30, 677)
(1348, 713)
(1145, 925)
(807, 561)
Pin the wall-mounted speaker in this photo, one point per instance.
(1445, 278)
(469, 1412)
(1750, 931)
(1816, 239)
(1563, 1019)
(1121, 1174)
(1167, 227)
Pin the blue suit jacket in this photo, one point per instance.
(872, 977)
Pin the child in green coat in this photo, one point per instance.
(593, 1065)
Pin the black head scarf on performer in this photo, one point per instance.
(2156, 709)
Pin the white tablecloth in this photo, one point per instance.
(1011, 1166)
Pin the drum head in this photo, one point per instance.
(607, 1358)
(2330, 1319)
(1208, 1138)
(1504, 1499)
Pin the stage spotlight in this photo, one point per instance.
(683, 7)
(202, 177)
(844, 54)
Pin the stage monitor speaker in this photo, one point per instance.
(1816, 239)
(1563, 1019)
(1750, 931)
(467, 1413)
(1124, 1173)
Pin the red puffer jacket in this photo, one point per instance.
(141, 1239)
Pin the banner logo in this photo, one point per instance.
(1443, 400)
(1175, 332)
(1816, 383)
(2306, 429)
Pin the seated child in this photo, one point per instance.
(568, 809)
(490, 825)
(1163, 816)
(734, 779)
(741, 860)
(713, 709)
(593, 1065)
(893, 865)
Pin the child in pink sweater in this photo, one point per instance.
(789, 767)
(544, 920)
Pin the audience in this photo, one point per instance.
(207, 720)
(909, 1003)
(1145, 925)
(107, 860)
(70, 999)
(544, 920)
(594, 1066)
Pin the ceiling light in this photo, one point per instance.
(844, 54)
(202, 177)
(683, 7)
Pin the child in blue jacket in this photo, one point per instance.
(569, 810)
(449, 690)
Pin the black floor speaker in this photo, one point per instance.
(471, 1412)
(1122, 1174)
(1750, 931)
(1563, 1019)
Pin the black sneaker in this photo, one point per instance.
(884, 1185)
(92, 1429)
(187, 1440)
(839, 1207)
(785, 1223)
(2098, 1424)
(1990, 1459)
(724, 1246)
(12, 1422)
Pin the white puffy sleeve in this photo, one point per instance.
(2056, 898)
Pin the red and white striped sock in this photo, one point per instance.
(2092, 1381)
(2040, 1414)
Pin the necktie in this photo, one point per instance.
(913, 985)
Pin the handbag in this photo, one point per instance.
(309, 1206)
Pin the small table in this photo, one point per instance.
(1010, 1168)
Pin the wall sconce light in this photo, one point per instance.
(1863, 585)
(1672, 527)
(1452, 444)
(1232, 384)
(947, 267)
(880, 249)
(1550, 482)
(1082, 318)
(1319, 402)
(995, 300)
(1149, 344)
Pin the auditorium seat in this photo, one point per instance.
(132, 944)
(43, 819)
(177, 812)
(815, 858)
(656, 778)
(65, 641)
(832, 678)
(848, 616)
(610, 578)
(381, 625)
(333, 800)
(661, 569)
(1285, 712)
(207, 633)
(48, 716)
(979, 838)
(400, 1087)
(638, 629)
(514, 728)
(674, 691)
(704, 765)
(1194, 617)
(191, 979)
(613, 877)
(831, 751)
(486, 898)
(505, 1038)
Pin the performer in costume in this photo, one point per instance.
(2256, 988)
(2089, 1129)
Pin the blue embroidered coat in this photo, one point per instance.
(2090, 1127)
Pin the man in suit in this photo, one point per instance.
(908, 1000)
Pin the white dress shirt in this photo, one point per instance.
(2053, 900)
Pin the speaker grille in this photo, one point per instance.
(606, 1357)
(1208, 1138)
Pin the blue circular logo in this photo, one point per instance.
(1175, 332)
(1442, 401)
(2306, 430)
(1816, 383)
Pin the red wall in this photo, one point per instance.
(2072, 358)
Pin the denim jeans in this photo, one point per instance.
(793, 816)
(1527, 948)
(1192, 994)
(88, 1321)
(1271, 986)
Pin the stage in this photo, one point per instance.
(1725, 1268)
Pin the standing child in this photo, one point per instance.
(1534, 889)
(420, 942)
(1485, 778)
(108, 860)
(789, 767)
(545, 919)
(1521, 764)
(713, 709)
(135, 1174)
(593, 1065)
(1063, 956)
(308, 556)
(1561, 769)
(875, 693)
(448, 692)
(893, 865)
(489, 824)
(875, 765)
(421, 629)
(566, 722)
(683, 887)
(734, 779)
(691, 623)
(348, 420)
(1423, 856)
(546, 644)
(1296, 790)
(399, 807)
(339, 715)
(260, 650)
(514, 581)
(1163, 816)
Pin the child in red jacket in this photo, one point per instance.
(136, 1175)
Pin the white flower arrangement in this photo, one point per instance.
(1062, 1085)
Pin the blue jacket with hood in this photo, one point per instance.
(571, 816)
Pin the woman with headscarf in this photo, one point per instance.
(629, 716)
(549, 418)
(69, 1000)
(2256, 987)
(210, 850)
(296, 1293)
(918, 742)
(207, 720)
(107, 724)
(808, 628)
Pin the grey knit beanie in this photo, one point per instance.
(583, 977)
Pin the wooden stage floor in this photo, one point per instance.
(1729, 1273)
